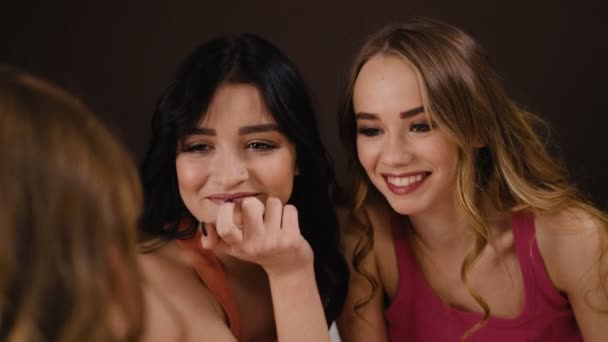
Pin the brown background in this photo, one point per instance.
(118, 56)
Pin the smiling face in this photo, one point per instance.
(411, 162)
(236, 151)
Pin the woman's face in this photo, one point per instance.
(235, 152)
(412, 163)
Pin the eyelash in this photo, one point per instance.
(254, 145)
(419, 127)
(369, 132)
(261, 146)
(197, 148)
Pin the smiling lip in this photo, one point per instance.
(410, 182)
(235, 197)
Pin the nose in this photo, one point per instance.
(397, 151)
(230, 169)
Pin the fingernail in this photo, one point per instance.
(203, 228)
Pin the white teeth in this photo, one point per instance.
(404, 181)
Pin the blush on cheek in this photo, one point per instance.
(363, 154)
(188, 176)
(276, 176)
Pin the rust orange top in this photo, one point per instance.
(211, 273)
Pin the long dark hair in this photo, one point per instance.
(252, 60)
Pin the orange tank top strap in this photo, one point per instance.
(211, 273)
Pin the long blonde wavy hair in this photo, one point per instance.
(69, 206)
(464, 97)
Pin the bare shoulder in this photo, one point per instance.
(176, 301)
(568, 221)
(571, 244)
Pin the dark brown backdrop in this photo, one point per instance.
(118, 56)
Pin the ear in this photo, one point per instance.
(297, 170)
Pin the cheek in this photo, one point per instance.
(367, 155)
(275, 174)
(190, 174)
(445, 154)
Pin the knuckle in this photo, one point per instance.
(291, 209)
(252, 250)
(225, 207)
(222, 231)
(273, 201)
(252, 203)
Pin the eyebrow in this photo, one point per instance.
(201, 131)
(404, 115)
(242, 131)
(258, 128)
(412, 112)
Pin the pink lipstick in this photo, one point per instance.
(405, 183)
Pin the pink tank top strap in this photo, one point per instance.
(537, 279)
(211, 273)
(410, 280)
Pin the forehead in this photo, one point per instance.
(236, 104)
(386, 83)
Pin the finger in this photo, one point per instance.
(252, 210)
(273, 214)
(290, 222)
(209, 239)
(212, 240)
(226, 229)
(237, 215)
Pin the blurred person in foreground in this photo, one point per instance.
(69, 206)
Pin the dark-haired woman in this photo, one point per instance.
(237, 190)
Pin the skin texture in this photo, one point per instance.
(222, 158)
(390, 143)
(235, 173)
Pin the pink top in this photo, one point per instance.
(417, 314)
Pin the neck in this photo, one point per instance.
(446, 231)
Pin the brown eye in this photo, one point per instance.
(197, 148)
(420, 127)
(261, 146)
(369, 132)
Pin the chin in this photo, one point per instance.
(404, 207)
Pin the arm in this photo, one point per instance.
(297, 307)
(368, 323)
(271, 238)
(571, 244)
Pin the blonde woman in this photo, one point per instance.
(69, 203)
(462, 226)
